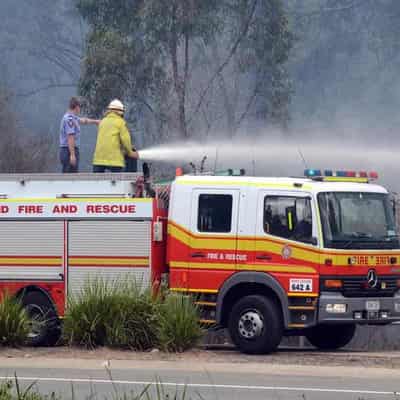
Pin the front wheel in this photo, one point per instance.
(331, 337)
(255, 325)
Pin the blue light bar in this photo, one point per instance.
(312, 172)
(340, 176)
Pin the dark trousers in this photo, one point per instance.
(66, 166)
(104, 168)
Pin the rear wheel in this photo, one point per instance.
(44, 327)
(255, 325)
(331, 337)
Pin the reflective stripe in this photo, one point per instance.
(243, 267)
(243, 184)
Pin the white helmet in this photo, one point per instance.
(116, 105)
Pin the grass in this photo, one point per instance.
(12, 390)
(179, 327)
(121, 314)
(14, 322)
(136, 319)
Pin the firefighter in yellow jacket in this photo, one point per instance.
(113, 141)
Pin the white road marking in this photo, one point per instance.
(203, 385)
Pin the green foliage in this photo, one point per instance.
(88, 313)
(117, 314)
(12, 390)
(135, 322)
(179, 324)
(123, 315)
(14, 322)
(173, 61)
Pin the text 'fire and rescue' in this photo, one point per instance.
(71, 209)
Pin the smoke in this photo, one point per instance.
(273, 155)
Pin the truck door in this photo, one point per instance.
(213, 237)
(286, 222)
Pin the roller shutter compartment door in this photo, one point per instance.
(108, 250)
(31, 250)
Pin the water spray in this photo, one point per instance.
(278, 157)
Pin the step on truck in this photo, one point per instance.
(263, 257)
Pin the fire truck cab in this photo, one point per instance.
(268, 257)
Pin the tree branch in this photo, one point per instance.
(227, 60)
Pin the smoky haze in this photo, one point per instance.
(273, 154)
(343, 72)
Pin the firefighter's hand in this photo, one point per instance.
(72, 160)
(133, 154)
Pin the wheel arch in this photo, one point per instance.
(36, 289)
(248, 283)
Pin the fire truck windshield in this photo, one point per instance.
(357, 220)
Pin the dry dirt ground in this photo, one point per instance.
(371, 347)
(217, 354)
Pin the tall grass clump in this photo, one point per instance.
(136, 320)
(14, 322)
(116, 314)
(89, 312)
(124, 315)
(179, 326)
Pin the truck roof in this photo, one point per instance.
(57, 185)
(289, 183)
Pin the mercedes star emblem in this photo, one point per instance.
(372, 278)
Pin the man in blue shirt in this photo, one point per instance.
(70, 131)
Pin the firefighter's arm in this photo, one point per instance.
(89, 121)
(127, 143)
(71, 147)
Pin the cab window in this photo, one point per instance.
(288, 217)
(215, 213)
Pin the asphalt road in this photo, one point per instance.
(214, 381)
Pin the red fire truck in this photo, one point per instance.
(264, 257)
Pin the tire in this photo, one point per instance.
(45, 327)
(331, 337)
(255, 325)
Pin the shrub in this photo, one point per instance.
(14, 322)
(135, 323)
(121, 314)
(116, 314)
(179, 326)
(88, 313)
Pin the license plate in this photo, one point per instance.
(372, 305)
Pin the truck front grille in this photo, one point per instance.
(357, 286)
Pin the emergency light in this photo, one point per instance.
(340, 176)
